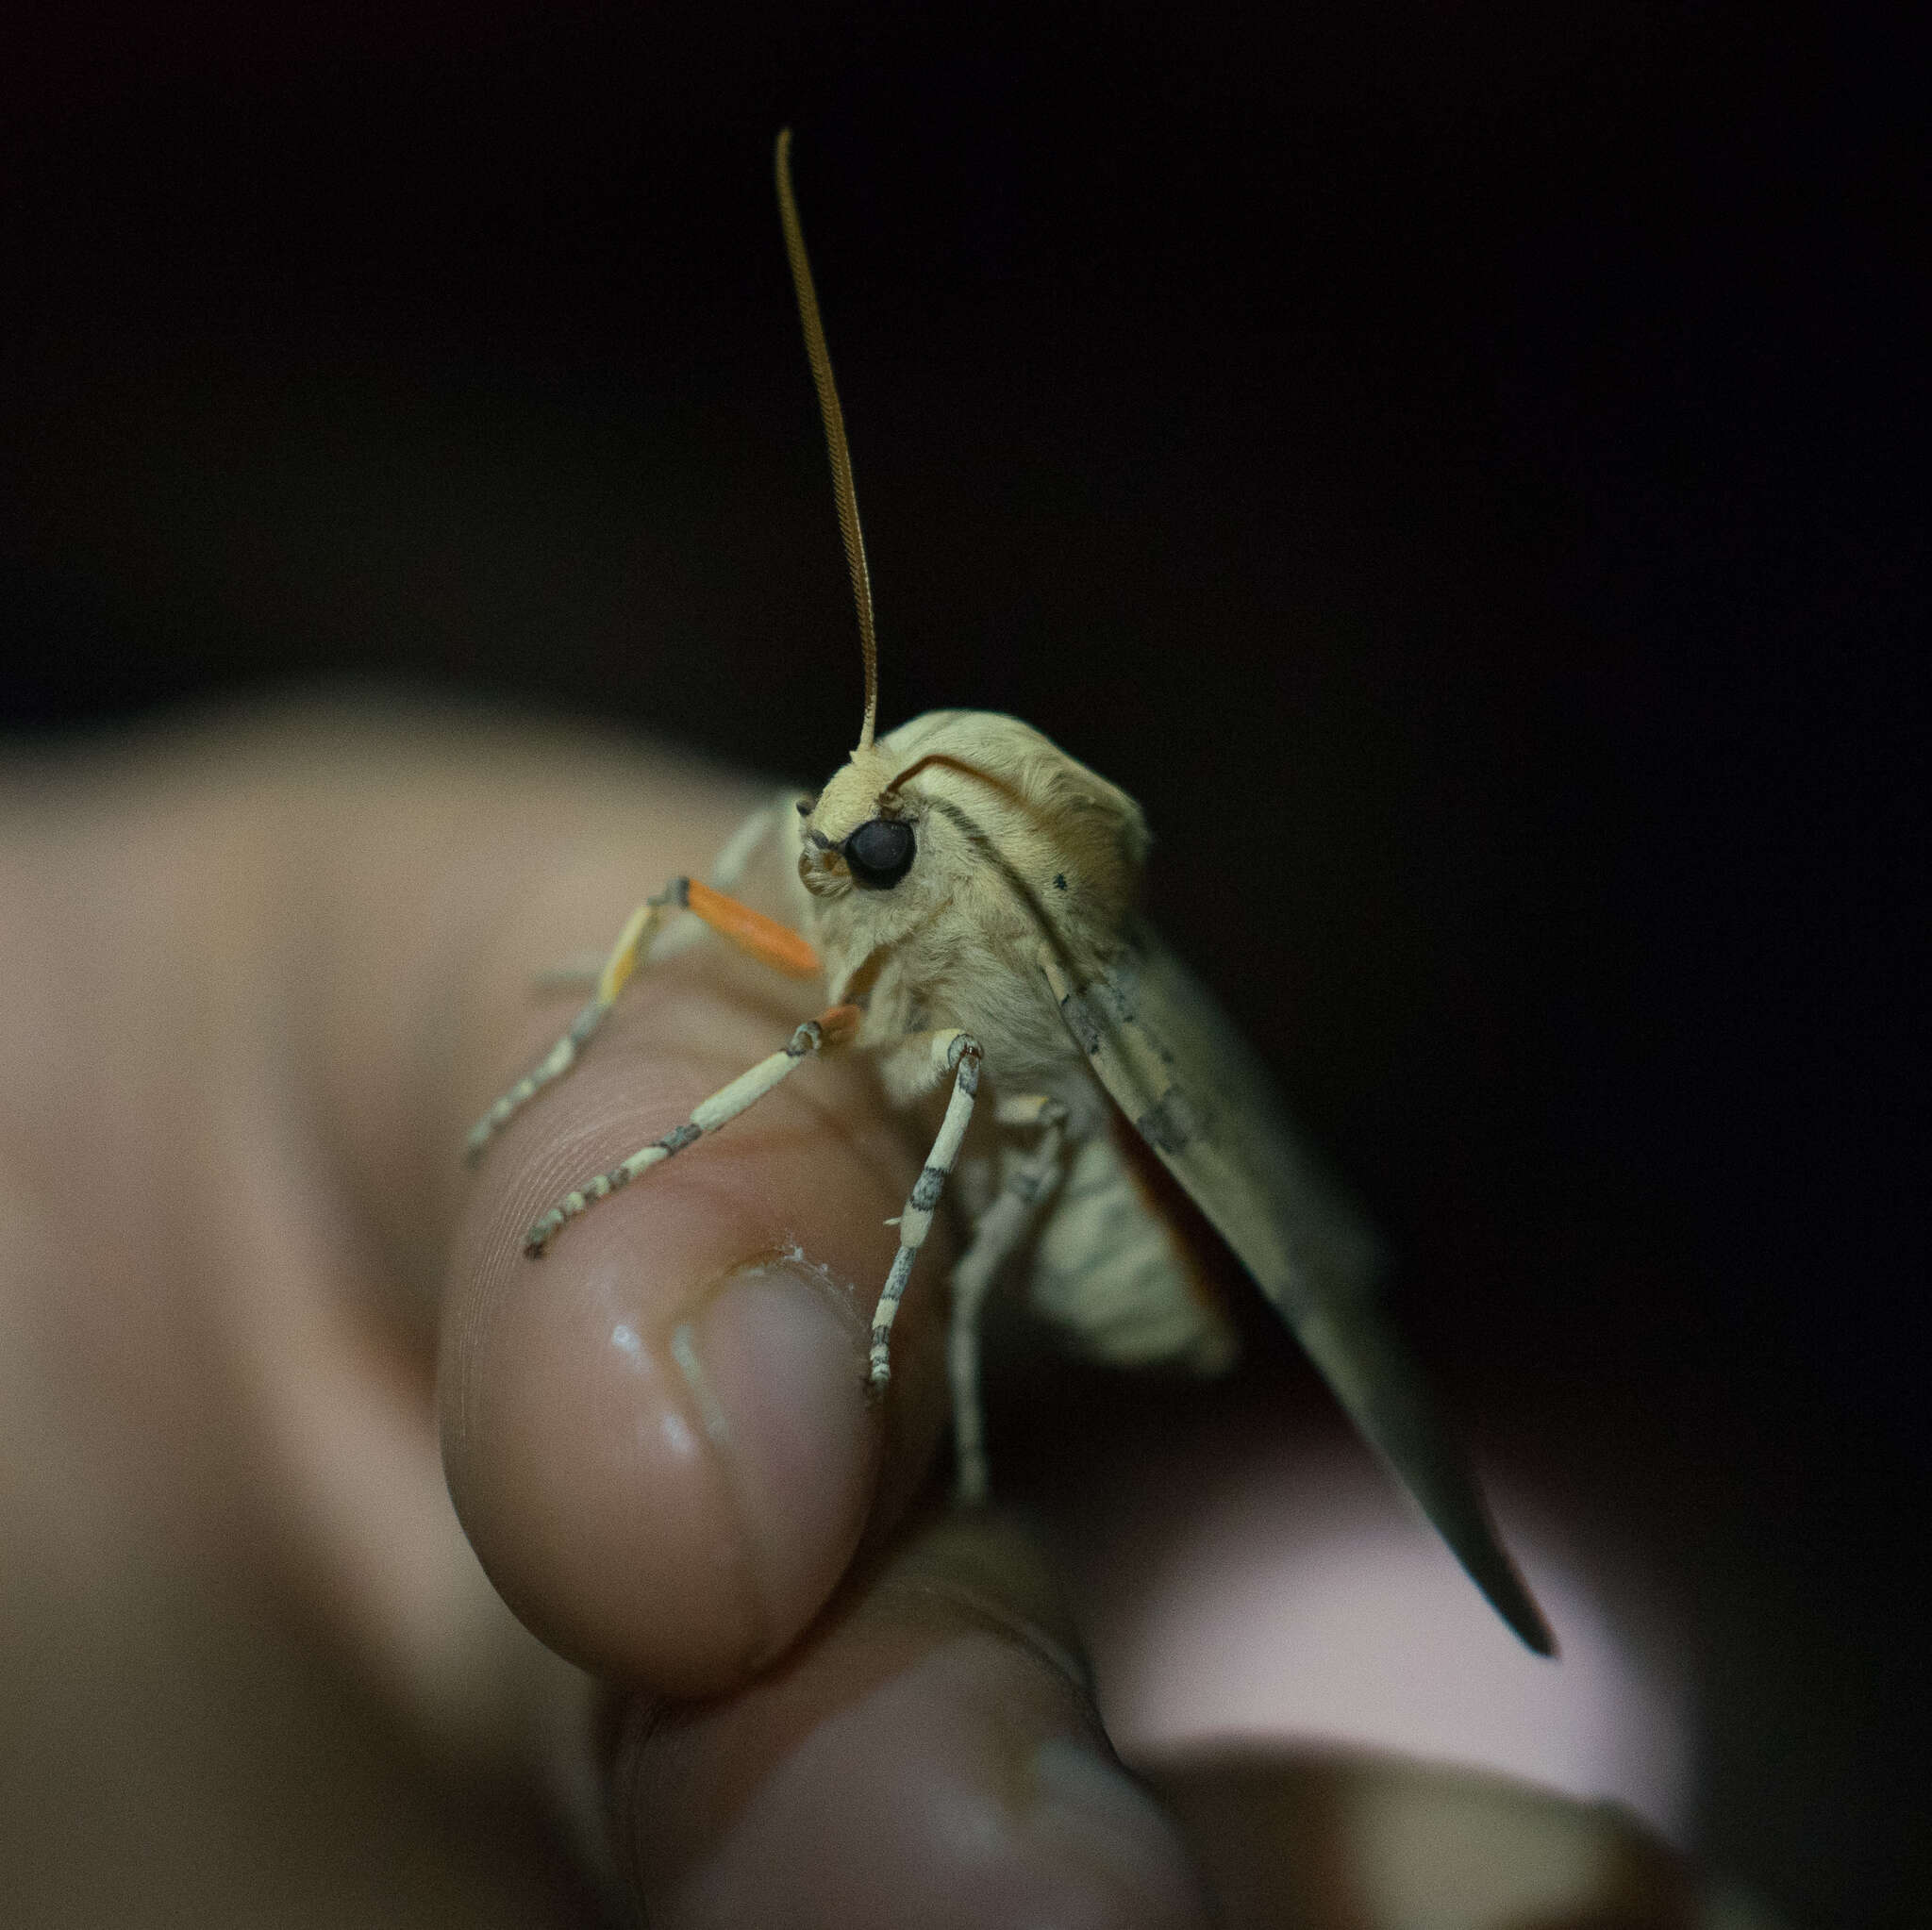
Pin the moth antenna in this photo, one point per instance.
(834, 419)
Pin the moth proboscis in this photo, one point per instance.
(966, 894)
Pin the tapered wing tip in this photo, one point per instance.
(1380, 1385)
(1466, 1526)
(1473, 1539)
(1526, 1619)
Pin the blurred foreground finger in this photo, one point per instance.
(933, 1757)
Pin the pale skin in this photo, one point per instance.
(261, 978)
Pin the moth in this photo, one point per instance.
(966, 892)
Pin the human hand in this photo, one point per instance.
(261, 978)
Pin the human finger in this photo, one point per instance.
(658, 1435)
(931, 1754)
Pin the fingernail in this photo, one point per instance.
(775, 1360)
(1089, 1811)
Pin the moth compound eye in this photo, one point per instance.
(879, 852)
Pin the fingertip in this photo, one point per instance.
(773, 1360)
(658, 1435)
(664, 1492)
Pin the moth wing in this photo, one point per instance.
(1177, 1067)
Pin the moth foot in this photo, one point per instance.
(537, 1241)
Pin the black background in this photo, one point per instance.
(1463, 470)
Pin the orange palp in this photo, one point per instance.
(767, 940)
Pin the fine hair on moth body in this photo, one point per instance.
(965, 892)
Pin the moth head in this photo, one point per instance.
(858, 835)
(960, 803)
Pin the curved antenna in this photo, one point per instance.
(834, 420)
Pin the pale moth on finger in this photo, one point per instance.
(966, 894)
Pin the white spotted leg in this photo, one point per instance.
(957, 1055)
(633, 941)
(829, 1029)
(1030, 1180)
(763, 938)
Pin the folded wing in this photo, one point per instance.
(1179, 1070)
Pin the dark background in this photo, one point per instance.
(1463, 470)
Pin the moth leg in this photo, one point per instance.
(763, 938)
(1030, 1180)
(829, 1029)
(957, 1055)
(583, 970)
(632, 942)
